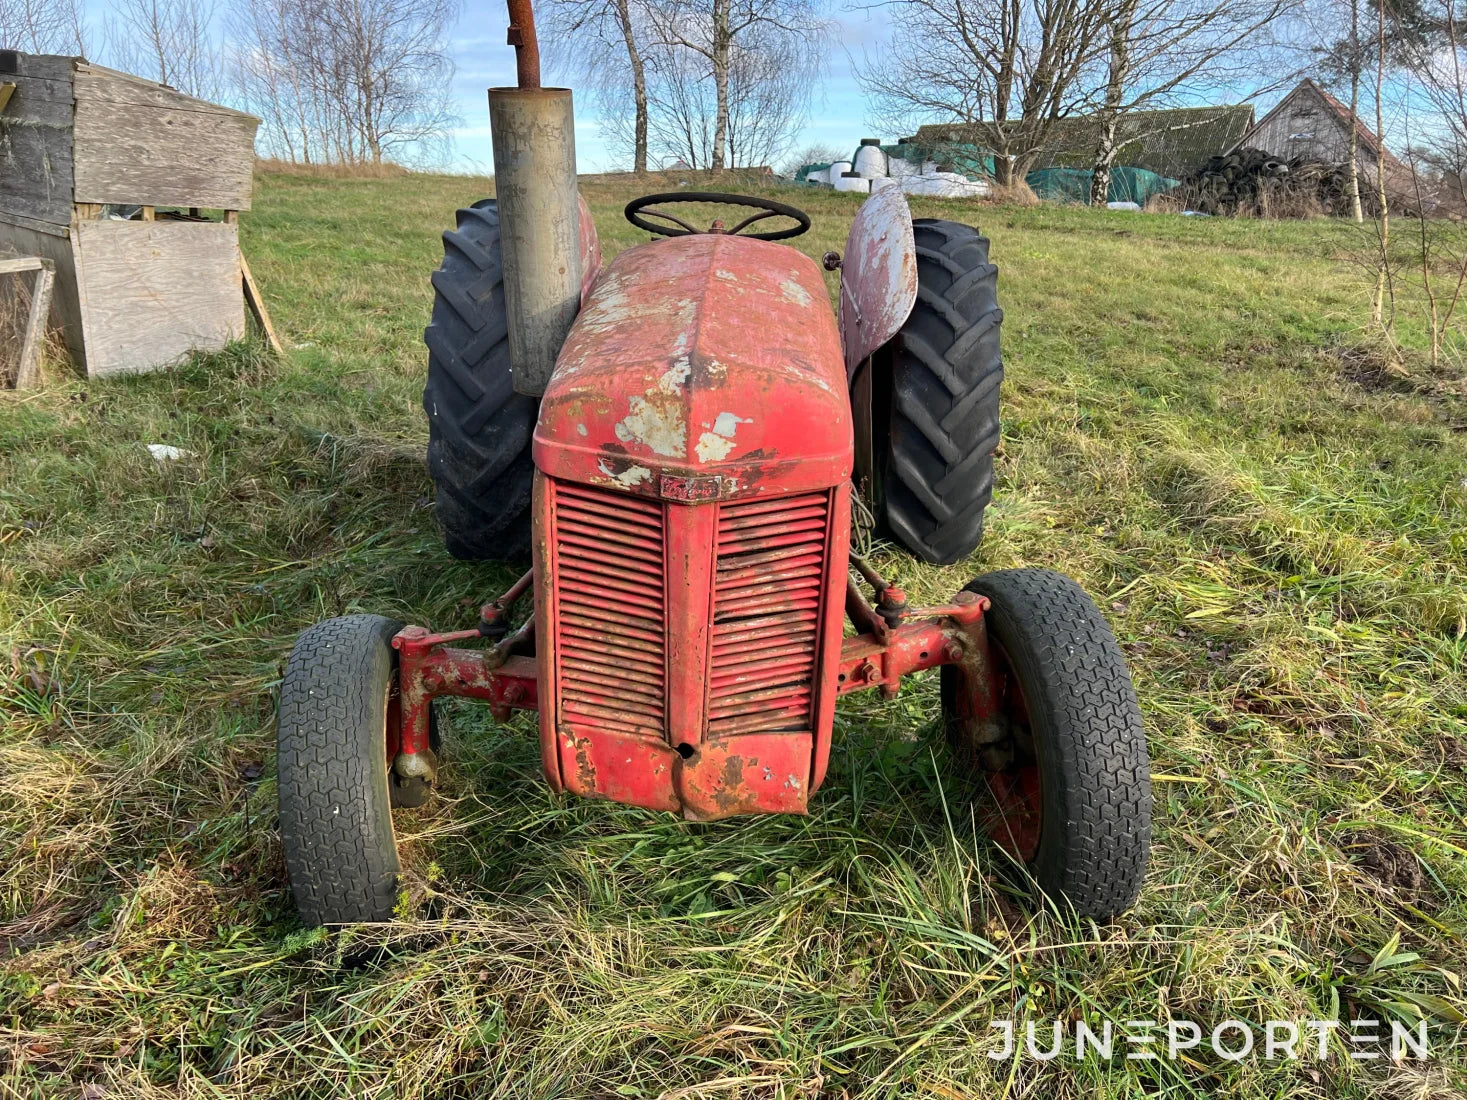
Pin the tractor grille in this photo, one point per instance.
(766, 613)
(609, 559)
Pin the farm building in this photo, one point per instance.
(1173, 143)
(132, 191)
(1311, 125)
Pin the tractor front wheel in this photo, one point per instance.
(335, 735)
(1053, 728)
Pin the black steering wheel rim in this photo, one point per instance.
(770, 207)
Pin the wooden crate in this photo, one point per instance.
(78, 142)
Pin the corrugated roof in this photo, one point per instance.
(1172, 142)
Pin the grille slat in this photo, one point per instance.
(610, 611)
(766, 612)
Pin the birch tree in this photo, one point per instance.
(1159, 52)
(727, 34)
(1005, 70)
(601, 44)
(346, 81)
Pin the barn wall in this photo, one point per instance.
(35, 140)
(1305, 126)
(140, 143)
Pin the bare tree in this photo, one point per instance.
(1163, 51)
(813, 154)
(733, 40)
(761, 107)
(1006, 71)
(346, 81)
(170, 41)
(601, 44)
(42, 26)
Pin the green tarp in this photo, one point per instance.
(1073, 185)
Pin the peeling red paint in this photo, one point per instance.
(696, 357)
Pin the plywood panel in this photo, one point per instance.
(142, 144)
(153, 291)
(65, 305)
(35, 140)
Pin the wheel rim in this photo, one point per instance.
(1009, 766)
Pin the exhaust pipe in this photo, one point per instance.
(533, 130)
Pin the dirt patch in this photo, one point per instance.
(1391, 865)
(1373, 369)
(1376, 369)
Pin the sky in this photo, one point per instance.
(837, 108)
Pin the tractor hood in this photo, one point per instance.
(701, 367)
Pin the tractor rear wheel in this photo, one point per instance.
(1055, 732)
(334, 736)
(942, 373)
(479, 429)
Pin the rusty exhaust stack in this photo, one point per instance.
(533, 130)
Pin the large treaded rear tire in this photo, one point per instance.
(1087, 738)
(335, 808)
(479, 429)
(946, 367)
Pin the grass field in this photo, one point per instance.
(1195, 428)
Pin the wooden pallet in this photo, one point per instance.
(28, 371)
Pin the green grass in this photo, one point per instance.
(1195, 429)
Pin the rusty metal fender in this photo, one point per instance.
(878, 283)
(590, 250)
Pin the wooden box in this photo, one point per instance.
(89, 159)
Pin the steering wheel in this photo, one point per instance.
(767, 208)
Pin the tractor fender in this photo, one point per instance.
(878, 283)
(590, 249)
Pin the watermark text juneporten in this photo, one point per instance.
(1230, 1040)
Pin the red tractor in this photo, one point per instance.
(675, 441)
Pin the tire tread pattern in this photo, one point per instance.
(946, 370)
(479, 429)
(1096, 772)
(335, 816)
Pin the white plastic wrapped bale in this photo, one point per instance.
(897, 168)
(836, 170)
(884, 181)
(851, 181)
(944, 185)
(870, 161)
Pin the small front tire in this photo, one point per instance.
(333, 738)
(1056, 734)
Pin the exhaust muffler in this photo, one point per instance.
(533, 130)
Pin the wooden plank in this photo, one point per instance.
(53, 228)
(7, 89)
(154, 291)
(150, 214)
(35, 141)
(255, 302)
(28, 372)
(129, 152)
(22, 263)
(65, 302)
(129, 88)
